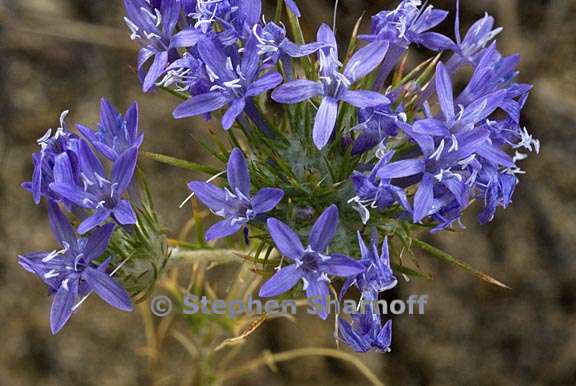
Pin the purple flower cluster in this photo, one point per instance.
(68, 173)
(423, 151)
(219, 52)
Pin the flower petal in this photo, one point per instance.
(431, 126)
(62, 305)
(266, 200)
(99, 216)
(60, 225)
(444, 91)
(89, 163)
(324, 229)
(123, 171)
(325, 121)
(124, 214)
(265, 83)
(384, 337)
(186, 38)
(364, 98)
(75, 195)
(212, 196)
(287, 242)
(399, 169)
(293, 7)
(424, 198)
(317, 292)
(282, 281)
(108, 289)
(365, 60)
(356, 341)
(297, 91)
(201, 104)
(237, 172)
(156, 69)
(298, 51)
(236, 108)
(223, 229)
(341, 265)
(98, 242)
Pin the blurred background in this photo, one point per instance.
(66, 54)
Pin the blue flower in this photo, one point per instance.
(378, 275)
(273, 45)
(376, 193)
(235, 203)
(479, 35)
(116, 133)
(96, 192)
(233, 82)
(335, 86)
(51, 146)
(375, 125)
(409, 24)
(449, 147)
(153, 24)
(311, 265)
(366, 332)
(70, 272)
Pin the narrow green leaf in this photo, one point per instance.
(409, 271)
(180, 163)
(452, 260)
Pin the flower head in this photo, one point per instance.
(409, 23)
(378, 275)
(312, 265)
(115, 133)
(333, 85)
(153, 24)
(366, 332)
(45, 170)
(233, 81)
(101, 194)
(235, 203)
(71, 272)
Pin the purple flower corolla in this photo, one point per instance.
(495, 188)
(335, 86)
(409, 23)
(115, 133)
(235, 203)
(479, 35)
(70, 272)
(311, 265)
(153, 24)
(273, 45)
(186, 74)
(366, 332)
(376, 124)
(406, 24)
(96, 192)
(62, 142)
(378, 275)
(232, 82)
(372, 192)
(450, 148)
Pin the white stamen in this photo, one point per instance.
(51, 274)
(438, 152)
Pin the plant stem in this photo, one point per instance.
(269, 358)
